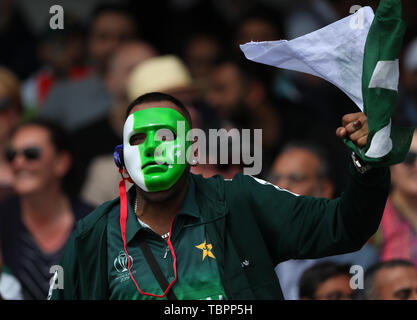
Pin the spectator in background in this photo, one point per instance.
(406, 114)
(391, 280)
(111, 25)
(200, 52)
(303, 168)
(36, 223)
(126, 58)
(240, 96)
(227, 94)
(398, 230)
(260, 24)
(326, 281)
(62, 55)
(10, 114)
(97, 141)
(77, 104)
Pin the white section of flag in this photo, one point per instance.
(381, 143)
(334, 53)
(386, 75)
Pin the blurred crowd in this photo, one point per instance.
(63, 96)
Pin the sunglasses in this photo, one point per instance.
(410, 158)
(292, 177)
(5, 103)
(30, 153)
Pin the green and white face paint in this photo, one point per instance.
(154, 147)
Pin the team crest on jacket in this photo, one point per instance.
(121, 263)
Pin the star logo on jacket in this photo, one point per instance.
(206, 250)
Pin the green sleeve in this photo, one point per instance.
(301, 227)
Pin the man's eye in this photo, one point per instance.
(165, 135)
(403, 294)
(137, 138)
(296, 177)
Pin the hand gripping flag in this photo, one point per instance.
(359, 55)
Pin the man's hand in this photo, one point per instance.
(355, 126)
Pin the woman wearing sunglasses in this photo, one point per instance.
(37, 222)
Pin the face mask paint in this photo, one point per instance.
(154, 147)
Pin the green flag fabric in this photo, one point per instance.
(387, 144)
(361, 59)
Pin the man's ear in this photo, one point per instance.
(63, 163)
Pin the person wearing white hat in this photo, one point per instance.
(163, 73)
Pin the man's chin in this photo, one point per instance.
(157, 196)
(165, 195)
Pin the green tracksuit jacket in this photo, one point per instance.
(247, 220)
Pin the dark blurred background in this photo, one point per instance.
(67, 75)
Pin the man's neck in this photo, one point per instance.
(160, 214)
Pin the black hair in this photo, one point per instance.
(314, 276)
(114, 8)
(73, 29)
(61, 141)
(318, 151)
(157, 97)
(59, 137)
(369, 281)
(265, 13)
(248, 70)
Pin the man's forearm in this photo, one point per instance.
(363, 202)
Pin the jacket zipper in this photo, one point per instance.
(166, 252)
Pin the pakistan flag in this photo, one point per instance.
(359, 55)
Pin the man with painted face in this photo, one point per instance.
(176, 235)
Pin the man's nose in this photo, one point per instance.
(150, 144)
(18, 161)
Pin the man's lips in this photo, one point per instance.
(153, 167)
(151, 163)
